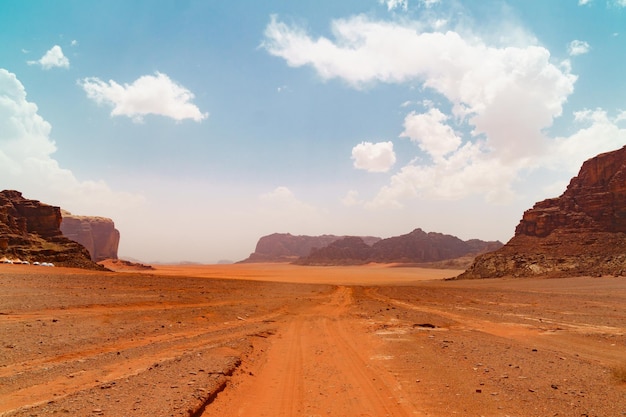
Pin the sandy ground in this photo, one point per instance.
(283, 340)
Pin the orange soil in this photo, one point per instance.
(283, 340)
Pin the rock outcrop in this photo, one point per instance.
(582, 232)
(285, 247)
(415, 247)
(350, 250)
(30, 231)
(97, 234)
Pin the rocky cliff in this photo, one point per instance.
(415, 247)
(30, 231)
(97, 234)
(582, 232)
(285, 247)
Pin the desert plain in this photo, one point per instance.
(286, 340)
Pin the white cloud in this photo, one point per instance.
(465, 172)
(149, 94)
(74, 42)
(504, 96)
(583, 2)
(394, 4)
(54, 58)
(284, 211)
(600, 133)
(431, 132)
(620, 3)
(351, 199)
(283, 197)
(27, 165)
(374, 157)
(577, 47)
(429, 3)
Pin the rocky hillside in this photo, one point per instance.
(285, 247)
(97, 234)
(415, 247)
(582, 232)
(30, 231)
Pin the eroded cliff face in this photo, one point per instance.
(285, 247)
(582, 232)
(417, 246)
(97, 234)
(30, 231)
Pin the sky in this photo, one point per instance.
(200, 126)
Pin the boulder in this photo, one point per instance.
(97, 234)
(582, 232)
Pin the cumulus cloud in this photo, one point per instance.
(351, 199)
(394, 4)
(283, 197)
(282, 209)
(431, 132)
(149, 94)
(583, 2)
(54, 58)
(374, 157)
(502, 96)
(599, 133)
(577, 47)
(27, 165)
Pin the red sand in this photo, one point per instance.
(284, 340)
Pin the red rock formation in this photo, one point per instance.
(285, 247)
(582, 232)
(97, 234)
(415, 247)
(30, 231)
(349, 250)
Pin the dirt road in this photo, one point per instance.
(319, 364)
(117, 344)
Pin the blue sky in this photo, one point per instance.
(200, 126)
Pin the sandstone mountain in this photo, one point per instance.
(582, 232)
(285, 247)
(97, 234)
(415, 247)
(30, 231)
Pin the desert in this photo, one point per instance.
(276, 208)
(286, 340)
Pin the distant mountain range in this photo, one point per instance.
(415, 247)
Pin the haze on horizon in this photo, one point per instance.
(200, 126)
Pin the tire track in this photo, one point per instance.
(315, 366)
(37, 382)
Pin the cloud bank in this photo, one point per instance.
(149, 94)
(497, 101)
(27, 164)
(54, 58)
